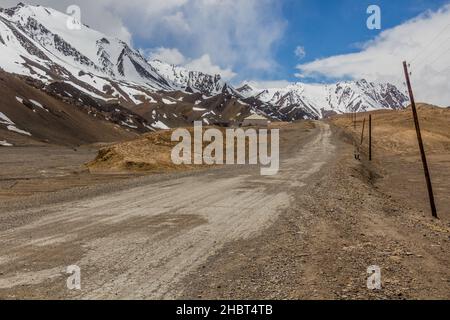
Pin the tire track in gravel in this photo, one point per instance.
(141, 242)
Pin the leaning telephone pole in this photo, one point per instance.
(370, 137)
(419, 138)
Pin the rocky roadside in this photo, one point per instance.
(322, 246)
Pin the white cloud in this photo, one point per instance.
(381, 59)
(240, 34)
(110, 23)
(264, 84)
(204, 64)
(177, 23)
(168, 55)
(300, 52)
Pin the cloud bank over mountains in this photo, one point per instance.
(239, 38)
(175, 57)
(423, 41)
(211, 35)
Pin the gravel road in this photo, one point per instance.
(142, 241)
(309, 232)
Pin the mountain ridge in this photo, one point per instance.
(341, 97)
(96, 73)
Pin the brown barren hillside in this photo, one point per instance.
(49, 119)
(394, 131)
(396, 156)
(151, 153)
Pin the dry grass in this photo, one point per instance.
(394, 131)
(396, 155)
(149, 153)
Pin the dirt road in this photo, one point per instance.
(344, 221)
(141, 242)
(309, 232)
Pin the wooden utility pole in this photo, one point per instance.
(419, 138)
(370, 137)
(362, 131)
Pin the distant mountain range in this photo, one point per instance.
(110, 82)
(318, 101)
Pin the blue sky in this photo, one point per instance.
(328, 27)
(255, 40)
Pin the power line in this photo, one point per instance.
(433, 56)
(439, 57)
(424, 58)
(429, 43)
(445, 70)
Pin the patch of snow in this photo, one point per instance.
(19, 99)
(37, 104)
(133, 94)
(198, 109)
(160, 125)
(4, 119)
(166, 101)
(5, 143)
(15, 129)
(151, 99)
(89, 93)
(128, 125)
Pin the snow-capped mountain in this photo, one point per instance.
(190, 81)
(107, 80)
(246, 91)
(36, 41)
(101, 76)
(319, 100)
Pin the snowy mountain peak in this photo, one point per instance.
(319, 100)
(193, 81)
(37, 42)
(245, 87)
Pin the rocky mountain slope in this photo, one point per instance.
(192, 81)
(98, 74)
(317, 100)
(107, 79)
(30, 115)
